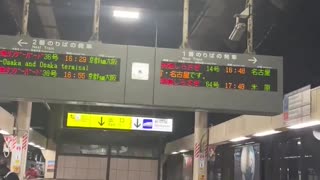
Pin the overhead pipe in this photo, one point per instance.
(25, 17)
(96, 20)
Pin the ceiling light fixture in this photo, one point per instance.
(304, 125)
(316, 134)
(126, 14)
(266, 133)
(31, 143)
(4, 132)
(239, 139)
(174, 153)
(299, 143)
(183, 151)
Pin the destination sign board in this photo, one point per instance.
(221, 81)
(215, 76)
(60, 71)
(118, 122)
(80, 67)
(297, 106)
(63, 71)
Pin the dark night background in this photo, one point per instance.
(288, 28)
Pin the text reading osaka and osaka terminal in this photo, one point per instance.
(60, 65)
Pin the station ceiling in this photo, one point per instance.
(282, 27)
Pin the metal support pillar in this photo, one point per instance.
(162, 160)
(25, 17)
(250, 49)
(200, 146)
(185, 28)
(23, 126)
(96, 21)
(19, 156)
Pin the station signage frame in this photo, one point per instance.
(100, 121)
(144, 86)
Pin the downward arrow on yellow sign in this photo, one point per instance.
(99, 121)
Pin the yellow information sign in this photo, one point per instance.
(202, 177)
(99, 121)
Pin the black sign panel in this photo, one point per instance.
(66, 66)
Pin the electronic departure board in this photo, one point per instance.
(222, 81)
(79, 67)
(62, 71)
(216, 76)
(74, 72)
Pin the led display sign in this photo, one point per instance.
(60, 71)
(215, 76)
(63, 71)
(54, 65)
(222, 81)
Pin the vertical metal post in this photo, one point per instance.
(156, 34)
(23, 126)
(200, 145)
(96, 20)
(25, 17)
(185, 28)
(250, 49)
(162, 160)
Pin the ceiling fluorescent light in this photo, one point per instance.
(183, 151)
(4, 132)
(126, 14)
(31, 143)
(266, 133)
(304, 125)
(239, 139)
(174, 153)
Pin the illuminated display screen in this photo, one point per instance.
(215, 76)
(96, 68)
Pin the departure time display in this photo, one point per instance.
(96, 68)
(216, 76)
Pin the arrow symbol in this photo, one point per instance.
(253, 60)
(137, 124)
(21, 42)
(101, 122)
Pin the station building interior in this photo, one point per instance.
(239, 145)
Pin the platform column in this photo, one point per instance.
(200, 146)
(19, 157)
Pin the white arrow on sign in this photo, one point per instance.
(21, 42)
(253, 60)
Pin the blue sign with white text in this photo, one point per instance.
(147, 124)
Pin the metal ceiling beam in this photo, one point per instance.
(200, 18)
(185, 28)
(25, 17)
(15, 10)
(47, 17)
(249, 5)
(96, 20)
(205, 21)
(45, 11)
